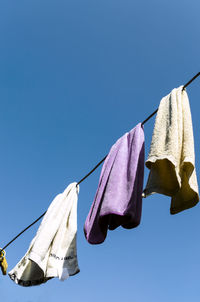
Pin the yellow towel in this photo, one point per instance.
(171, 158)
(3, 262)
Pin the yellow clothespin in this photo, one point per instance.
(3, 262)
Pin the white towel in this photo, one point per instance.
(52, 252)
(171, 158)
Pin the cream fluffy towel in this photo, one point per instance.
(171, 159)
(52, 252)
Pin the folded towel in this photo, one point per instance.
(52, 252)
(118, 199)
(171, 159)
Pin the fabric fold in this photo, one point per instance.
(52, 252)
(171, 159)
(118, 199)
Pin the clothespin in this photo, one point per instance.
(3, 262)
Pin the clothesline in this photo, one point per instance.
(88, 174)
(188, 83)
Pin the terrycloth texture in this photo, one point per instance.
(171, 159)
(52, 252)
(118, 199)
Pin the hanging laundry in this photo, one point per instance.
(118, 199)
(52, 252)
(3, 262)
(171, 159)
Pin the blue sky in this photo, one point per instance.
(74, 77)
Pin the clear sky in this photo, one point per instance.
(74, 77)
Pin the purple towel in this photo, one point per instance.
(118, 199)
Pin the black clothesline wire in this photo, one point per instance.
(150, 116)
(188, 83)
